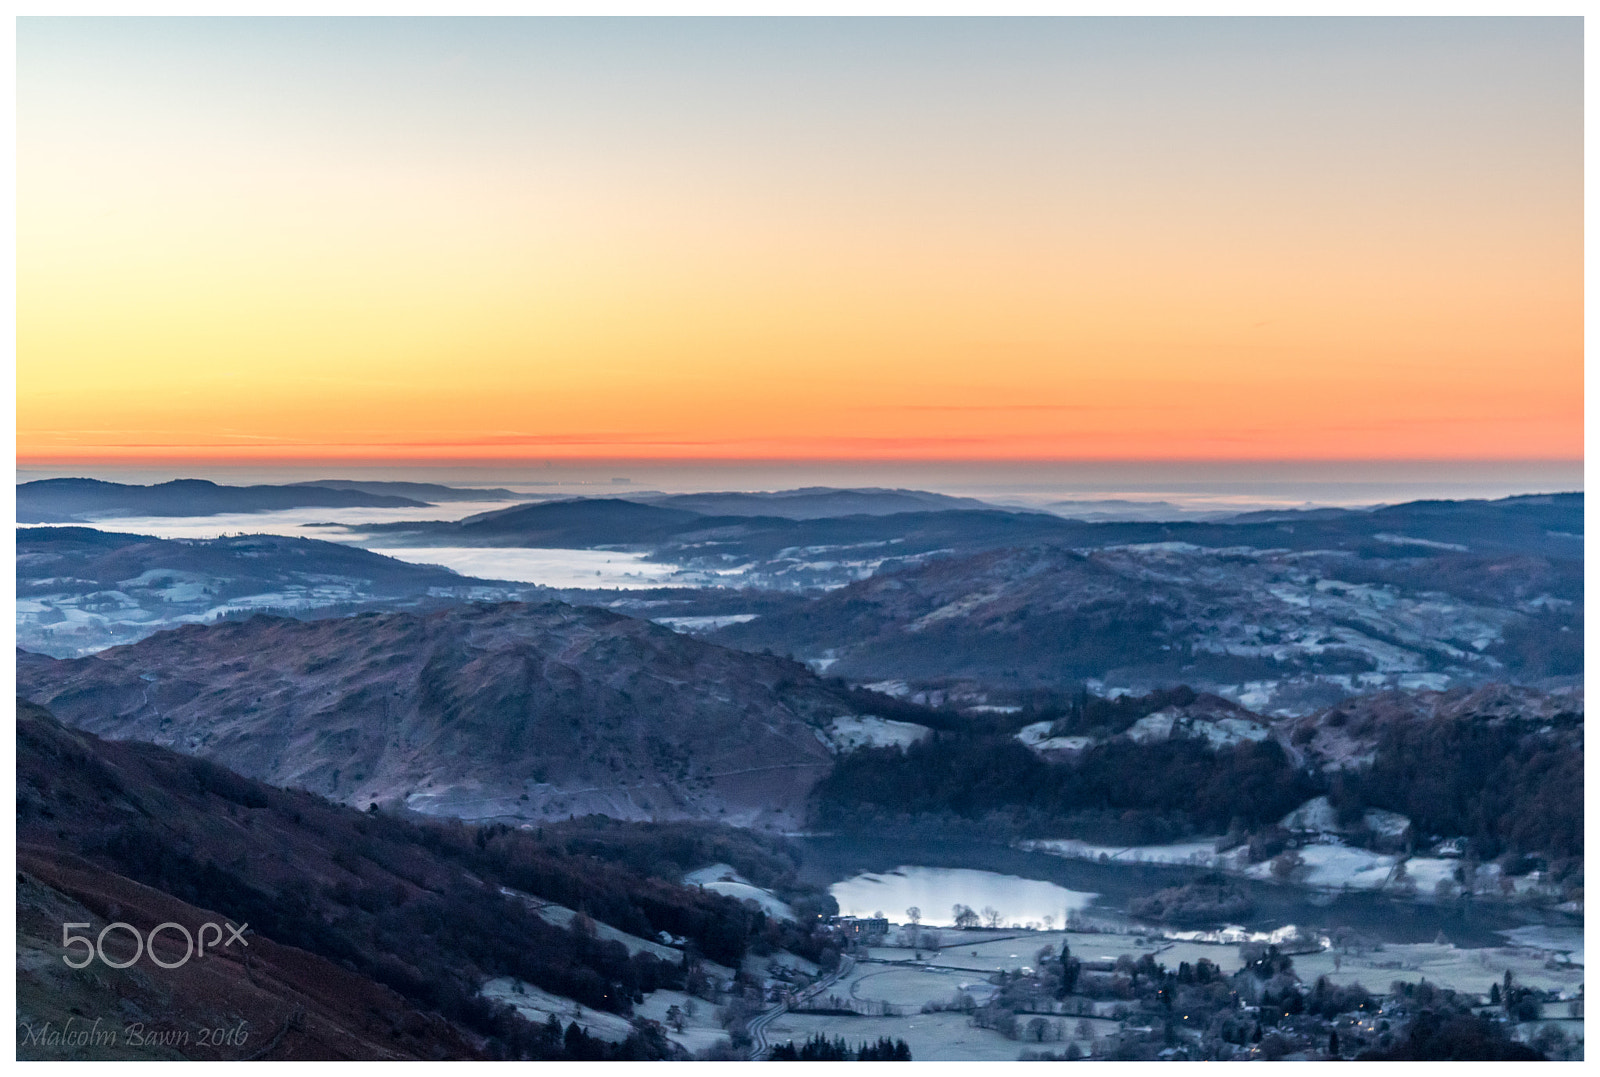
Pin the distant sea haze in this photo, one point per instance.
(1122, 489)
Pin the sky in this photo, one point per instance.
(1075, 239)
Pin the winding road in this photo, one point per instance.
(760, 1047)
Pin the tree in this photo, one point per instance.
(991, 916)
(964, 917)
(675, 1018)
(914, 914)
(1037, 1029)
(1287, 864)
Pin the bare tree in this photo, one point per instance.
(991, 916)
(1286, 865)
(914, 914)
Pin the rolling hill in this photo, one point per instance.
(507, 711)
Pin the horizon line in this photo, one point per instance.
(543, 460)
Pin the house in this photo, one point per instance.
(862, 927)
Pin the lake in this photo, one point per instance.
(935, 891)
(937, 874)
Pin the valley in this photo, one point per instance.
(1352, 734)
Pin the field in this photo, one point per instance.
(943, 1036)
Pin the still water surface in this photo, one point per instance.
(937, 874)
(936, 891)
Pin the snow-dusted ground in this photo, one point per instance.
(705, 623)
(722, 879)
(561, 916)
(1567, 941)
(1201, 852)
(945, 1037)
(1335, 867)
(1037, 736)
(537, 1005)
(72, 624)
(700, 1028)
(1441, 964)
(1218, 732)
(867, 731)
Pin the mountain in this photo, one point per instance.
(814, 502)
(1280, 631)
(80, 590)
(78, 500)
(509, 711)
(772, 552)
(430, 492)
(780, 553)
(574, 523)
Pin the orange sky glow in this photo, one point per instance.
(436, 242)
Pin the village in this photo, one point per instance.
(991, 990)
(978, 992)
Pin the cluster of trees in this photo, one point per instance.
(1547, 645)
(518, 1038)
(1507, 785)
(1208, 899)
(821, 1049)
(965, 917)
(1444, 1028)
(668, 851)
(1183, 783)
(429, 909)
(1513, 787)
(1085, 715)
(431, 947)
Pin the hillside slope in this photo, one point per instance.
(1277, 630)
(509, 711)
(80, 590)
(371, 935)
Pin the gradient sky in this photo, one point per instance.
(1058, 239)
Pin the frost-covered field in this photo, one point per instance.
(707, 623)
(1201, 853)
(946, 1037)
(867, 731)
(1444, 965)
(700, 1028)
(537, 1005)
(722, 879)
(1326, 865)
